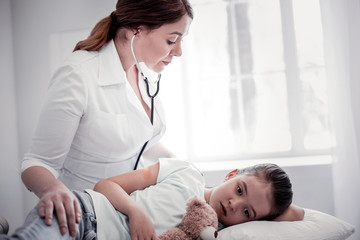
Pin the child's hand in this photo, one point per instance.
(140, 225)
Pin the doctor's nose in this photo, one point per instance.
(177, 50)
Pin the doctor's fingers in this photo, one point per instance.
(68, 213)
(64, 205)
(46, 209)
(73, 214)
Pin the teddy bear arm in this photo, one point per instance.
(174, 234)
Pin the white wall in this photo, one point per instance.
(341, 21)
(10, 183)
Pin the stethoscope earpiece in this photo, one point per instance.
(137, 31)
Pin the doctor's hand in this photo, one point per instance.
(57, 197)
(141, 226)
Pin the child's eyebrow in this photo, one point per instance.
(245, 188)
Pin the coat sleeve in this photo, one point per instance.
(61, 113)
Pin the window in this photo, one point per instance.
(251, 82)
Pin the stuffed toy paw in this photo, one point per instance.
(200, 221)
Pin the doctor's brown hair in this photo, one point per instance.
(130, 14)
(281, 187)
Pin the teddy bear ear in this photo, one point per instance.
(194, 202)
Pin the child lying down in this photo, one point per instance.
(144, 203)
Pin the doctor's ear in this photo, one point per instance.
(231, 174)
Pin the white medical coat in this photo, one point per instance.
(92, 124)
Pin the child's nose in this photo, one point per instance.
(236, 204)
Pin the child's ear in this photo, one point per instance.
(231, 174)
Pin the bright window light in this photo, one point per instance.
(250, 84)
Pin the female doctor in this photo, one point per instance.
(101, 110)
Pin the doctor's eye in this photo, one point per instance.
(170, 42)
(175, 40)
(239, 190)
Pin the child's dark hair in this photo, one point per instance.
(280, 185)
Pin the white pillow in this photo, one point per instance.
(315, 226)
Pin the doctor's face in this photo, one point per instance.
(158, 47)
(240, 199)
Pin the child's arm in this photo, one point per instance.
(292, 213)
(117, 190)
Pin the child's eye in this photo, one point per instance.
(246, 212)
(239, 190)
(170, 42)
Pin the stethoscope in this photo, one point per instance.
(151, 96)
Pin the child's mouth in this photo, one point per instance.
(223, 209)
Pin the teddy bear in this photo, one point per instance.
(199, 221)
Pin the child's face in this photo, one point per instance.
(240, 199)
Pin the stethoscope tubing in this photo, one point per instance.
(151, 96)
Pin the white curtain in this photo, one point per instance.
(341, 22)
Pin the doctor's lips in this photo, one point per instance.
(166, 63)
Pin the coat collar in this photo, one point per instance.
(111, 71)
